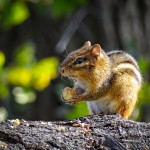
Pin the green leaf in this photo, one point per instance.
(3, 4)
(43, 72)
(61, 8)
(17, 14)
(25, 55)
(144, 93)
(79, 110)
(2, 58)
(4, 91)
(65, 7)
(144, 65)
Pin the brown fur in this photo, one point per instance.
(112, 81)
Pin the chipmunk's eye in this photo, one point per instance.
(79, 60)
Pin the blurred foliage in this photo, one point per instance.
(3, 113)
(2, 59)
(65, 7)
(26, 72)
(24, 95)
(16, 12)
(144, 65)
(79, 110)
(13, 12)
(144, 95)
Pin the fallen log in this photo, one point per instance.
(90, 132)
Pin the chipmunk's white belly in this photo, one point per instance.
(103, 104)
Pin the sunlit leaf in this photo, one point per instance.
(41, 80)
(2, 58)
(19, 76)
(18, 13)
(43, 72)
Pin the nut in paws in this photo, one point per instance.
(69, 95)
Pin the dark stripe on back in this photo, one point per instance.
(126, 58)
(115, 52)
(129, 62)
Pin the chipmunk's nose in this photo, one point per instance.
(61, 69)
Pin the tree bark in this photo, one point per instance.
(90, 132)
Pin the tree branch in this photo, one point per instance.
(71, 29)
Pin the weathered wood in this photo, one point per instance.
(91, 132)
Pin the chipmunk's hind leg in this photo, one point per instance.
(124, 91)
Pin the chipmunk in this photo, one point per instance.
(109, 82)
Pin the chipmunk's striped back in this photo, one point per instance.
(125, 63)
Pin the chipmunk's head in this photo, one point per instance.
(83, 62)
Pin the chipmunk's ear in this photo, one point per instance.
(87, 43)
(96, 50)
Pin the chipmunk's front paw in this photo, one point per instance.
(69, 96)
